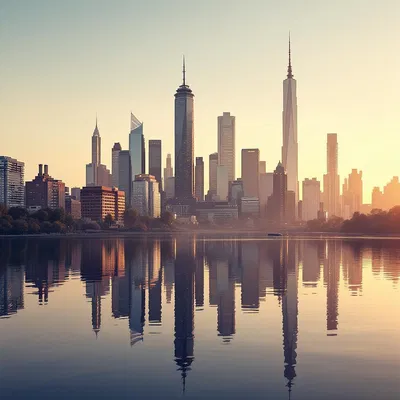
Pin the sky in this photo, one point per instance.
(63, 62)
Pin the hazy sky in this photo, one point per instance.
(63, 61)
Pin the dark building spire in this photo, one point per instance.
(183, 71)
(289, 70)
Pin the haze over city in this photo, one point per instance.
(64, 62)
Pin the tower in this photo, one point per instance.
(115, 163)
(226, 143)
(155, 160)
(184, 140)
(199, 179)
(331, 178)
(289, 125)
(137, 147)
(96, 146)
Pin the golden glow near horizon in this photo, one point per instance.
(55, 79)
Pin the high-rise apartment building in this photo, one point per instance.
(212, 173)
(12, 187)
(250, 172)
(184, 140)
(114, 164)
(125, 176)
(331, 178)
(146, 197)
(98, 201)
(44, 191)
(137, 147)
(311, 199)
(155, 154)
(199, 179)
(289, 124)
(226, 143)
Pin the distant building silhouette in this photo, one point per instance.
(155, 155)
(199, 179)
(250, 172)
(125, 176)
(352, 194)
(331, 178)
(311, 199)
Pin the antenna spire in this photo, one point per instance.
(289, 70)
(183, 71)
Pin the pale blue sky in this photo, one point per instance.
(63, 61)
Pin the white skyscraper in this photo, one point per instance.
(289, 121)
(226, 143)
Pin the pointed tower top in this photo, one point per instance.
(289, 70)
(96, 129)
(183, 71)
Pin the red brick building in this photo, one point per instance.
(98, 201)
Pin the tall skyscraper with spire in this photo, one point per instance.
(289, 123)
(184, 140)
(137, 147)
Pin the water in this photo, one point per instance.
(205, 318)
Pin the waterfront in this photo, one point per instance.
(206, 318)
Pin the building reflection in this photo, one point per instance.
(184, 306)
(250, 266)
(331, 277)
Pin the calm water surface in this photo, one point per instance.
(205, 318)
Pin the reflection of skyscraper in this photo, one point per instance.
(11, 290)
(250, 275)
(199, 274)
(332, 280)
(290, 312)
(311, 266)
(352, 266)
(155, 282)
(184, 306)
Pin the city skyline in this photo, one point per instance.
(357, 115)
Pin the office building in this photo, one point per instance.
(44, 191)
(236, 191)
(76, 193)
(99, 201)
(125, 176)
(199, 179)
(266, 189)
(170, 187)
(12, 187)
(289, 125)
(168, 170)
(352, 194)
(73, 207)
(226, 143)
(212, 174)
(115, 164)
(146, 196)
(137, 147)
(250, 207)
(331, 178)
(184, 141)
(97, 173)
(311, 199)
(155, 154)
(217, 212)
(276, 208)
(222, 183)
(250, 172)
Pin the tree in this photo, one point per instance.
(41, 215)
(5, 225)
(3, 210)
(46, 227)
(17, 213)
(19, 227)
(57, 215)
(33, 226)
(167, 218)
(108, 220)
(59, 227)
(130, 218)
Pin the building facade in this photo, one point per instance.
(44, 191)
(99, 201)
(115, 164)
(331, 178)
(170, 187)
(199, 179)
(276, 208)
(125, 176)
(184, 140)
(137, 147)
(226, 143)
(311, 199)
(73, 207)
(352, 194)
(168, 170)
(155, 154)
(250, 172)
(212, 174)
(266, 189)
(222, 183)
(12, 187)
(289, 125)
(146, 197)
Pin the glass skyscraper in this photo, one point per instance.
(137, 147)
(12, 188)
(184, 141)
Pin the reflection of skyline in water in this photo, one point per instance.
(134, 274)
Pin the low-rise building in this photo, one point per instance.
(216, 211)
(250, 206)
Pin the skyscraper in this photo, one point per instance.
(184, 140)
(250, 172)
(12, 189)
(277, 202)
(137, 147)
(125, 176)
(155, 160)
(199, 179)
(331, 178)
(168, 170)
(289, 120)
(222, 183)
(212, 173)
(115, 165)
(146, 196)
(226, 143)
(352, 198)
